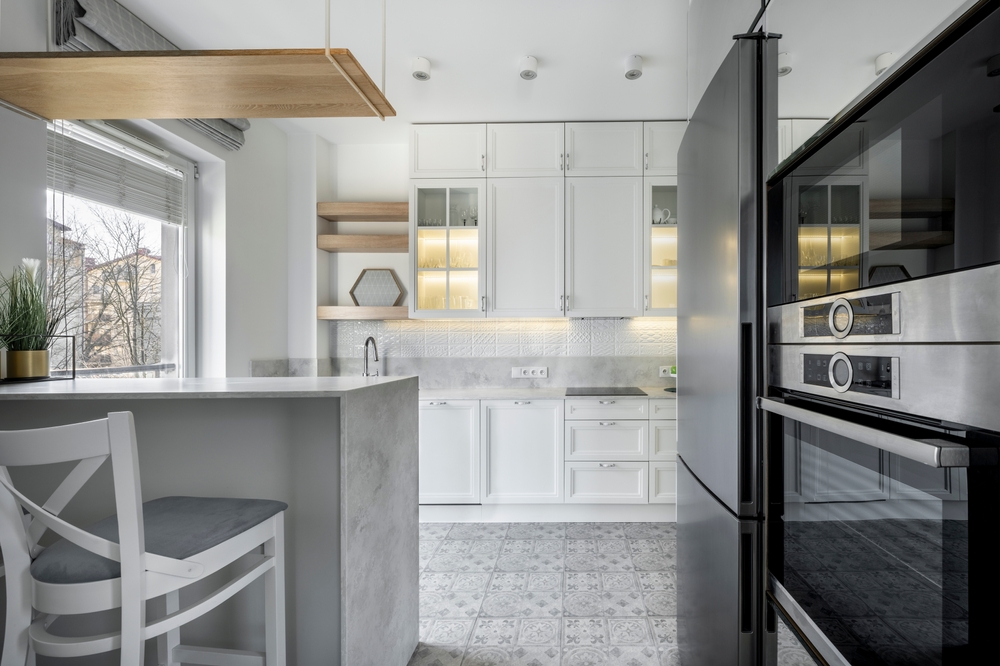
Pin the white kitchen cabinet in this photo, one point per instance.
(662, 483)
(605, 409)
(448, 248)
(525, 150)
(663, 440)
(607, 482)
(662, 408)
(522, 451)
(449, 452)
(604, 247)
(607, 440)
(661, 142)
(526, 247)
(793, 132)
(661, 250)
(448, 151)
(604, 149)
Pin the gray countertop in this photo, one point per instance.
(233, 387)
(555, 393)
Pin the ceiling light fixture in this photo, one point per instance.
(529, 68)
(633, 67)
(784, 64)
(884, 62)
(421, 69)
(993, 66)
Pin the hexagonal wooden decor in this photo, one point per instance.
(377, 287)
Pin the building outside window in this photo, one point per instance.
(118, 252)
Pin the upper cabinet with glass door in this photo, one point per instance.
(826, 243)
(660, 224)
(448, 248)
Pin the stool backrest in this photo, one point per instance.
(90, 444)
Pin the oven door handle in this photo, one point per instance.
(930, 452)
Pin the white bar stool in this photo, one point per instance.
(144, 551)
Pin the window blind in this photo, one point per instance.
(90, 166)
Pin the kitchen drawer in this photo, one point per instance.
(607, 409)
(663, 483)
(607, 483)
(607, 440)
(663, 440)
(663, 409)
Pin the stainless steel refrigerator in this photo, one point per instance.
(729, 147)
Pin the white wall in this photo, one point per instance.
(711, 26)
(22, 189)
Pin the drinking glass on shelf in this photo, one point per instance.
(474, 214)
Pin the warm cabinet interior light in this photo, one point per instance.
(784, 64)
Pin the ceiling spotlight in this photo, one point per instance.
(529, 68)
(884, 62)
(633, 67)
(993, 66)
(784, 64)
(421, 69)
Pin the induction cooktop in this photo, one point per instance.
(605, 390)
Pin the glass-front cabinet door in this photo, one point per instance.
(660, 209)
(448, 248)
(826, 237)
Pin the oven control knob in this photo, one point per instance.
(841, 372)
(841, 318)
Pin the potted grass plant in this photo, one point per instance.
(27, 322)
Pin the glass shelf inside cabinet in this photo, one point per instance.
(663, 247)
(828, 239)
(448, 248)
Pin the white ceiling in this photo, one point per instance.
(474, 47)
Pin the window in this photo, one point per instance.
(118, 248)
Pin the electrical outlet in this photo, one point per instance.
(664, 370)
(530, 373)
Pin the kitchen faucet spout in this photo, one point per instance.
(365, 372)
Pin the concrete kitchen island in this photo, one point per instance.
(342, 452)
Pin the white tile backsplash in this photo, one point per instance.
(509, 337)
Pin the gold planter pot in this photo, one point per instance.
(27, 364)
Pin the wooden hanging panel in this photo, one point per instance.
(103, 85)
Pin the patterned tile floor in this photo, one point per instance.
(541, 594)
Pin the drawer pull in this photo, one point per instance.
(435, 404)
(606, 423)
(522, 402)
(606, 402)
(606, 464)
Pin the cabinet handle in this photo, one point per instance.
(567, 161)
(647, 301)
(560, 161)
(606, 402)
(647, 161)
(522, 402)
(562, 303)
(435, 404)
(603, 423)
(484, 163)
(484, 304)
(606, 464)
(567, 303)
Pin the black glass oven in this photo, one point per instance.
(880, 534)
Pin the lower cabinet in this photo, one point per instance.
(607, 440)
(449, 452)
(662, 483)
(522, 451)
(607, 482)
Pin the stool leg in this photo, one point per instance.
(17, 580)
(165, 643)
(274, 595)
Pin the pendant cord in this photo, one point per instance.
(329, 56)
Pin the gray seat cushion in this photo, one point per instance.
(177, 527)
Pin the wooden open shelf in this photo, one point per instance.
(910, 240)
(895, 209)
(347, 312)
(363, 243)
(363, 211)
(273, 83)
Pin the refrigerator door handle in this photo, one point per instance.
(930, 452)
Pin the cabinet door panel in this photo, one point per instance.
(448, 151)
(660, 145)
(664, 408)
(602, 409)
(662, 483)
(604, 149)
(663, 440)
(607, 483)
(604, 247)
(524, 149)
(449, 452)
(607, 440)
(525, 219)
(522, 451)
